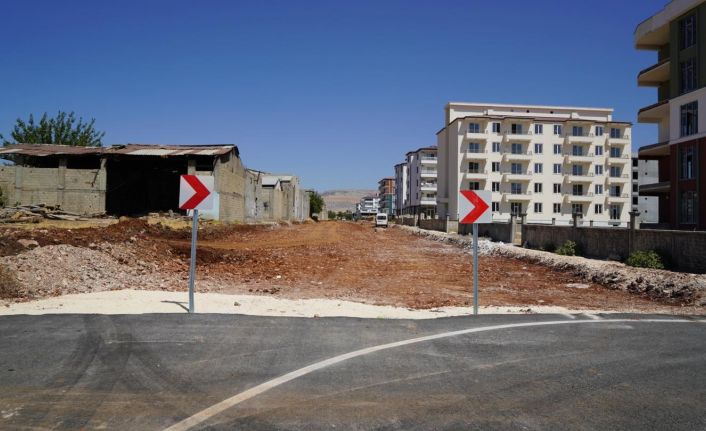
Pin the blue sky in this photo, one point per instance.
(336, 92)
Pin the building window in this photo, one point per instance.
(538, 149)
(598, 208)
(689, 118)
(557, 208)
(516, 188)
(577, 189)
(473, 167)
(538, 129)
(635, 176)
(599, 130)
(615, 171)
(615, 212)
(615, 191)
(495, 166)
(538, 207)
(615, 133)
(496, 207)
(557, 148)
(474, 185)
(615, 152)
(557, 168)
(688, 206)
(473, 147)
(538, 167)
(474, 128)
(635, 188)
(599, 150)
(496, 147)
(538, 187)
(516, 168)
(598, 169)
(516, 149)
(557, 188)
(577, 170)
(496, 186)
(496, 127)
(577, 150)
(576, 208)
(687, 76)
(634, 200)
(516, 208)
(557, 129)
(577, 131)
(598, 189)
(686, 156)
(516, 129)
(687, 32)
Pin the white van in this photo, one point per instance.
(381, 220)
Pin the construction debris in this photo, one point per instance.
(35, 213)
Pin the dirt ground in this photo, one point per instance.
(338, 260)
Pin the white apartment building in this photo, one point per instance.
(401, 185)
(547, 162)
(422, 180)
(369, 205)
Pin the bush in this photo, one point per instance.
(645, 259)
(549, 246)
(568, 249)
(2, 199)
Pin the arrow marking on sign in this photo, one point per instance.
(479, 206)
(200, 192)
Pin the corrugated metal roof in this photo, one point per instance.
(42, 150)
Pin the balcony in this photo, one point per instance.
(427, 200)
(518, 156)
(576, 177)
(518, 137)
(579, 158)
(654, 75)
(524, 196)
(586, 197)
(624, 178)
(476, 175)
(619, 160)
(586, 138)
(428, 160)
(476, 155)
(428, 187)
(480, 136)
(517, 175)
(618, 198)
(427, 173)
(654, 113)
(624, 139)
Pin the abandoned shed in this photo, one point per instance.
(121, 180)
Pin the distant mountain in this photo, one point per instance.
(342, 200)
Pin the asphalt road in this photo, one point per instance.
(155, 371)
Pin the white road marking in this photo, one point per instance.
(226, 404)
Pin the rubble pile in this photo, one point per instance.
(35, 213)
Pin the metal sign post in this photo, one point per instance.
(475, 268)
(195, 192)
(473, 208)
(192, 265)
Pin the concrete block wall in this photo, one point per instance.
(229, 177)
(498, 231)
(77, 190)
(682, 250)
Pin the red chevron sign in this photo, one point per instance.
(196, 192)
(473, 207)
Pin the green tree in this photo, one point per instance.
(64, 129)
(316, 203)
